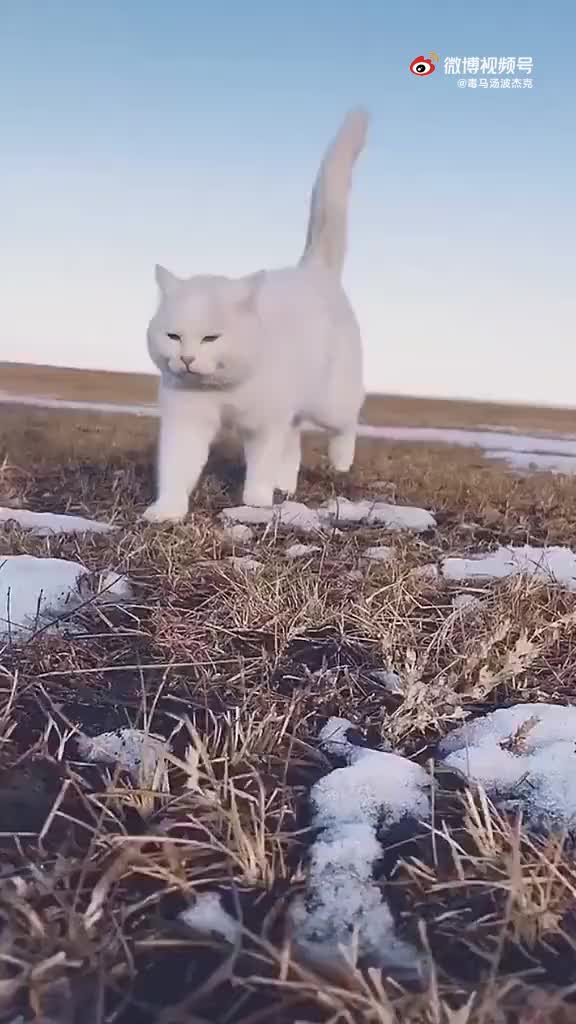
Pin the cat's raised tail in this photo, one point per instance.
(327, 224)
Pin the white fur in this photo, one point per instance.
(262, 354)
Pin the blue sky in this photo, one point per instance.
(189, 134)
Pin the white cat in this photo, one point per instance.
(263, 354)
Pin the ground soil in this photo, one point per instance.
(249, 667)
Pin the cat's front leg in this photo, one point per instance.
(188, 424)
(264, 450)
(287, 472)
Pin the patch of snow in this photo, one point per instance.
(143, 756)
(376, 786)
(208, 917)
(247, 515)
(333, 738)
(555, 722)
(35, 592)
(346, 906)
(244, 563)
(490, 766)
(554, 564)
(501, 428)
(237, 533)
(301, 550)
(343, 904)
(525, 758)
(464, 602)
(295, 516)
(534, 461)
(292, 515)
(381, 553)
(344, 511)
(377, 513)
(485, 439)
(39, 402)
(113, 587)
(45, 523)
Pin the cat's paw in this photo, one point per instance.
(164, 512)
(258, 496)
(341, 451)
(287, 481)
(341, 465)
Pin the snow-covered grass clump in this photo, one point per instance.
(290, 515)
(43, 524)
(37, 592)
(523, 757)
(294, 515)
(344, 907)
(553, 564)
(143, 756)
(341, 511)
(208, 917)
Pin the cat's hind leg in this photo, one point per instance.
(341, 448)
(264, 450)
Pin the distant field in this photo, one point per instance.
(379, 410)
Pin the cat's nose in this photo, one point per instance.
(188, 361)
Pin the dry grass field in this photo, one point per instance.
(392, 410)
(249, 666)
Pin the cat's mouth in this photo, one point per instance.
(193, 381)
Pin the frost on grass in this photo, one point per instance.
(208, 917)
(45, 523)
(525, 758)
(554, 564)
(143, 756)
(377, 513)
(343, 909)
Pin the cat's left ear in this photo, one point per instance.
(248, 293)
(166, 280)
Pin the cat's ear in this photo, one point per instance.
(166, 280)
(248, 291)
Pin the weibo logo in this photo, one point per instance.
(423, 66)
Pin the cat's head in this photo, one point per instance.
(206, 330)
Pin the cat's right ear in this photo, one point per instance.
(166, 281)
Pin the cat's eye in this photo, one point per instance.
(174, 337)
(210, 337)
